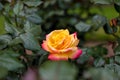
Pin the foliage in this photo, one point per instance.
(27, 22)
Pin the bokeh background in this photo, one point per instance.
(25, 23)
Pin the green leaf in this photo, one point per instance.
(117, 69)
(98, 21)
(4, 41)
(110, 67)
(101, 74)
(3, 72)
(107, 28)
(8, 28)
(1, 6)
(57, 71)
(33, 3)
(29, 41)
(84, 57)
(11, 29)
(117, 59)
(72, 21)
(117, 53)
(28, 26)
(50, 2)
(62, 3)
(117, 2)
(55, 12)
(117, 8)
(42, 52)
(18, 8)
(97, 51)
(82, 27)
(102, 1)
(115, 29)
(106, 1)
(32, 28)
(34, 18)
(9, 62)
(15, 41)
(10, 53)
(99, 62)
(114, 68)
(43, 57)
(117, 49)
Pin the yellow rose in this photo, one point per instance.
(62, 45)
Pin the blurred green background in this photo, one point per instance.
(105, 10)
(27, 23)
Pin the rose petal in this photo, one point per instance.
(66, 42)
(64, 56)
(57, 57)
(56, 38)
(75, 40)
(75, 43)
(70, 41)
(53, 50)
(77, 54)
(44, 46)
(62, 45)
(53, 33)
(75, 35)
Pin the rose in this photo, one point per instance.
(61, 45)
